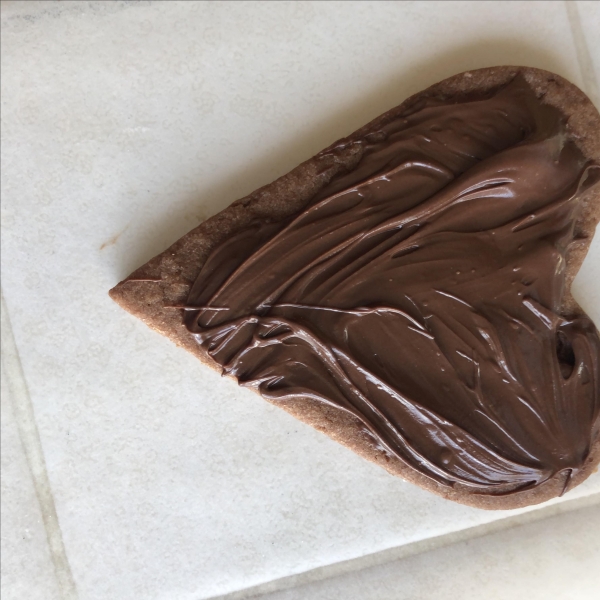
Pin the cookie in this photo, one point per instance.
(407, 290)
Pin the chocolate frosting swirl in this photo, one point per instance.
(421, 292)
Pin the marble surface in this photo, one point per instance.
(27, 569)
(124, 125)
(562, 556)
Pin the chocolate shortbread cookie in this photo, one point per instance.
(407, 290)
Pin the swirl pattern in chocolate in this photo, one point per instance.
(421, 292)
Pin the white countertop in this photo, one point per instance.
(133, 472)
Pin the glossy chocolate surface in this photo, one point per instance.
(422, 292)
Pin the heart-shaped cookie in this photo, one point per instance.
(407, 290)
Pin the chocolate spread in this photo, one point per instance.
(421, 292)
